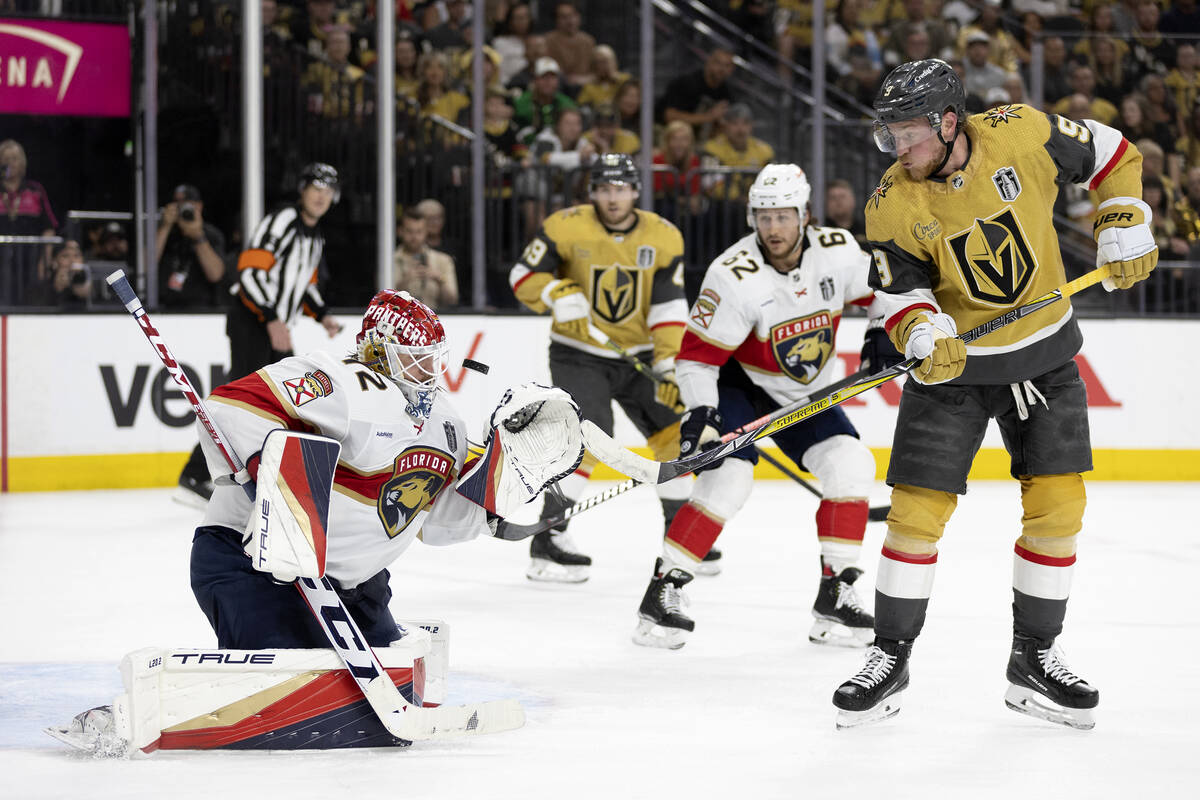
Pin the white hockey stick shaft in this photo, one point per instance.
(402, 720)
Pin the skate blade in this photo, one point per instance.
(99, 746)
(186, 497)
(835, 634)
(548, 572)
(648, 634)
(1028, 702)
(887, 708)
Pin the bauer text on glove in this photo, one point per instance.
(1124, 241)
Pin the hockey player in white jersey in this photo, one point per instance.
(761, 335)
(402, 473)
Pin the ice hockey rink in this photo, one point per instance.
(742, 711)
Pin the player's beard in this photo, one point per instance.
(609, 222)
(920, 170)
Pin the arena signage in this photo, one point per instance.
(97, 409)
(64, 68)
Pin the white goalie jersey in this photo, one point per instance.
(780, 327)
(395, 477)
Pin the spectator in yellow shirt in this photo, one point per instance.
(736, 147)
(606, 78)
(607, 136)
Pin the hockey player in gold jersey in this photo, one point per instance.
(610, 269)
(961, 229)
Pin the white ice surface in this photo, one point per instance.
(743, 711)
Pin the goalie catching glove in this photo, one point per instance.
(933, 338)
(1124, 241)
(534, 441)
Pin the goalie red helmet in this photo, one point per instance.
(403, 339)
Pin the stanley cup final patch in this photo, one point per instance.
(310, 386)
(1007, 183)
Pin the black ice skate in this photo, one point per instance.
(660, 621)
(874, 693)
(840, 618)
(555, 559)
(193, 491)
(1042, 686)
(710, 564)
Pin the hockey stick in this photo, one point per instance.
(875, 514)
(647, 470)
(402, 720)
(513, 532)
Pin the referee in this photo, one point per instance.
(276, 282)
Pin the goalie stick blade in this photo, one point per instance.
(512, 532)
(444, 722)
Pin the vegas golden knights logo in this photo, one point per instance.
(994, 258)
(418, 474)
(614, 292)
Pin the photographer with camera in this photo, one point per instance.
(68, 284)
(191, 265)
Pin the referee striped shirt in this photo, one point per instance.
(277, 273)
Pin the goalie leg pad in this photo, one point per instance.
(256, 699)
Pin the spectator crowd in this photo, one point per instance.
(556, 98)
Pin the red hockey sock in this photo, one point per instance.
(840, 528)
(693, 531)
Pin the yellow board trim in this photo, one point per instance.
(149, 470)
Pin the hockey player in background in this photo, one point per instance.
(403, 473)
(276, 283)
(960, 230)
(609, 266)
(761, 335)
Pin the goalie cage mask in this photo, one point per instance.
(403, 340)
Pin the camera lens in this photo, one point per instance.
(187, 213)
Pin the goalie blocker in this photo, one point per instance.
(209, 699)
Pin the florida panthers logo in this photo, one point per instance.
(803, 346)
(418, 474)
(994, 258)
(615, 292)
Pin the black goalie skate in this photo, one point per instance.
(661, 623)
(874, 693)
(840, 617)
(1042, 686)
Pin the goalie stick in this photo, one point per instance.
(402, 720)
(512, 532)
(648, 470)
(875, 514)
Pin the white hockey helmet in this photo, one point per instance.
(778, 186)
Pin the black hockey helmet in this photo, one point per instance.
(322, 175)
(614, 168)
(924, 88)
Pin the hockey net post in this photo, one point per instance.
(402, 719)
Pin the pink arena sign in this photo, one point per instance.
(63, 68)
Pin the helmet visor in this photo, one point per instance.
(419, 367)
(893, 137)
